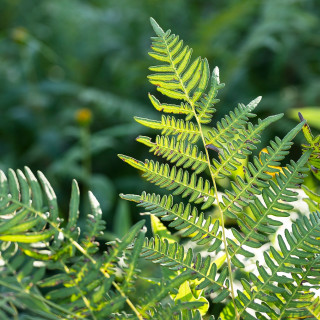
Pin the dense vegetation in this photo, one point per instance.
(66, 55)
(70, 118)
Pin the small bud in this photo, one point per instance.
(83, 117)
(20, 34)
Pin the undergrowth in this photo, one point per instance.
(243, 248)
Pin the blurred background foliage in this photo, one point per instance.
(73, 74)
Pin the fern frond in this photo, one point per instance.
(228, 127)
(21, 203)
(204, 107)
(257, 226)
(238, 149)
(257, 175)
(177, 78)
(172, 256)
(296, 259)
(162, 175)
(183, 130)
(178, 152)
(182, 217)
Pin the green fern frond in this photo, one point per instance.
(185, 155)
(182, 217)
(228, 127)
(275, 202)
(257, 175)
(254, 201)
(231, 153)
(296, 259)
(162, 175)
(177, 78)
(172, 256)
(21, 203)
(204, 107)
(183, 130)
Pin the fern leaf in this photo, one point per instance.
(257, 175)
(23, 218)
(204, 107)
(186, 155)
(162, 175)
(296, 259)
(177, 78)
(256, 226)
(172, 256)
(182, 217)
(228, 127)
(239, 148)
(183, 130)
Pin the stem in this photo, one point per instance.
(221, 215)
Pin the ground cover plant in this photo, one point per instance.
(52, 269)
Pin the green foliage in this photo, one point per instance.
(256, 201)
(55, 269)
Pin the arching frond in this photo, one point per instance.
(227, 128)
(283, 282)
(275, 202)
(257, 175)
(238, 149)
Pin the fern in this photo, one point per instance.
(52, 269)
(256, 201)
